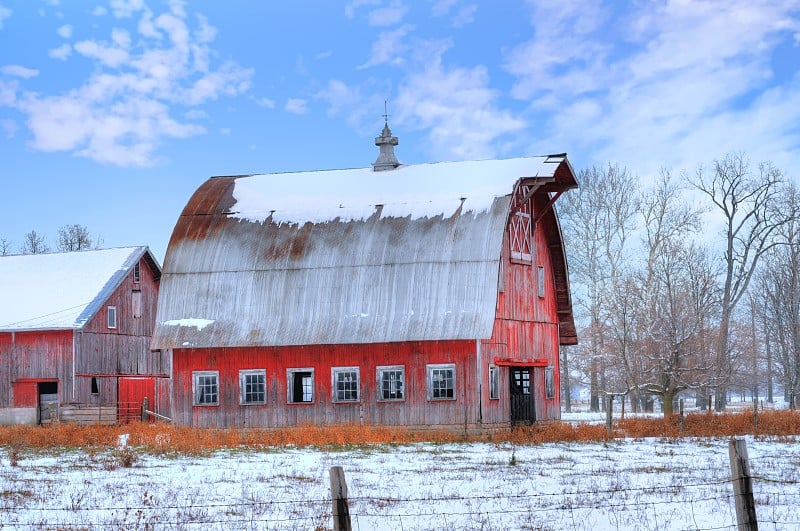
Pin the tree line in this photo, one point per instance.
(689, 286)
(73, 237)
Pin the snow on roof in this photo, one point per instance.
(420, 190)
(59, 290)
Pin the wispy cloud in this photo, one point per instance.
(19, 71)
(62, 52)
(4, 14)
(65, 31)
(389, 15)
(683, 75)
(296, 106)
(127, 106)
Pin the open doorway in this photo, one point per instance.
(48, 402)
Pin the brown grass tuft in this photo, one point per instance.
(168, 439)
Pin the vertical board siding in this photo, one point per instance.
(415, 410)
(44, 355)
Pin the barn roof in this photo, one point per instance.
(343, 256)
(53, 291)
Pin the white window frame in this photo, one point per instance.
(338, 393)
(196, 387)
(494, 382)
(433, 370)
(381, 371)
(549, 382)
(111, 317)
(540, 280)
(290, 377)
(243, 376)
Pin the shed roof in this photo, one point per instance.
(343, 256)
(62, 290)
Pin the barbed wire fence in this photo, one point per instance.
(700, 505)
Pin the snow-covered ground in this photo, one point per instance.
(625, 484)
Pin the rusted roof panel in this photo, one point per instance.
(341, 256)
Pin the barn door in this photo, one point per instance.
(131, 393)
(522, 404)
(48, 402)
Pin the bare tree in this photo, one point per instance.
(34, 243)
(74, 238)
(5, 247)
(747, 202)
(599, 220)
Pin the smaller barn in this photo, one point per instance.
(429, 295)
(75, 333)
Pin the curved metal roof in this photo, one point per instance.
(342, 256)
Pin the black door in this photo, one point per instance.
(48, 402)
(522, 407)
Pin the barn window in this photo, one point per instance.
(494, 382)
(549, 382)
(95, 387)
(137, 274)
(300, 386)
(136, 304)
(540, 280)
(112, 316)
(519, 227)
(391, 383)
(206, 388)
(441, 382)
(345, 384)
(253, 386)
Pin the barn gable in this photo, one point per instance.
(349, 256)
(53, 291)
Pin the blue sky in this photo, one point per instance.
(113, 113)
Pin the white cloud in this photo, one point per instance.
(465, 15)
(296, 106)
(19, 71)
(442, 7)
(126, 8)
(99, 11)
(265, 102)
(390, 47)
(123, 111)
(4, 14)
(458, 111)
(389, 15)
(359, 106)
(62, 52)
(323, 55)
(65, 31)
(351, 7)
(687, 79)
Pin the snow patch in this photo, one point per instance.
(197, 323)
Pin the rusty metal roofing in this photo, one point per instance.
(342, 256)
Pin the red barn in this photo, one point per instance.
(75, 330)
(426, 295)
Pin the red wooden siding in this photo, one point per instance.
(132, 392)
(41, 355)
(415, 410)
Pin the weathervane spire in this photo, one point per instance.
(386, 159)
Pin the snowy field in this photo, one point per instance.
(626, 484)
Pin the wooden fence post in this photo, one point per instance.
(742, 485)
(609, 411)
(341, 511)
(145, 407)
(680, 411)
(755, 413)
(710, 399)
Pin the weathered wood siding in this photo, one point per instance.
(35, 355)
(415, 410)
(108, 353)
(526, 327)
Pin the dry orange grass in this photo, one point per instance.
(167, 439)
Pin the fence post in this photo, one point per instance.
(145, 407)
(710, 399)
(742, 485)
(341, 511)
(680, 412)
(609, 410)
(755, 413)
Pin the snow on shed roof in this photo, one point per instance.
(60, 290)
(343, 256)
